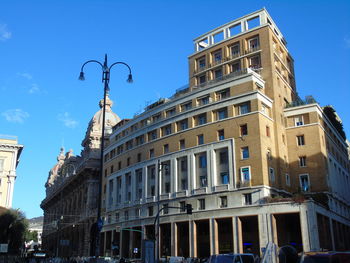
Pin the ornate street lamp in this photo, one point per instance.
(105, 79)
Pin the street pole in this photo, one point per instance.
(105, 79)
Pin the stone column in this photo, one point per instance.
(173, 239)
(193, 238)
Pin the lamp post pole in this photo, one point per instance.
(105, 79)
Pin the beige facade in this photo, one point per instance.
(257, 163)
(10, 152)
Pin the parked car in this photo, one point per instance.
(232, 258)
(325, 257)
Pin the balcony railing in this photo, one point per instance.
(252, 49)
(299, 102)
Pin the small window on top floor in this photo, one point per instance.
(223, 201)
(156, 117)
(182, 144)
(201, 204)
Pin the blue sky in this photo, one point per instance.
(44, 43)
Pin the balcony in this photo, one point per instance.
(150, 199)
(299, 102)
(182, 193)
(252, 49)
(220, 188)
(165, 196)
(199, 191)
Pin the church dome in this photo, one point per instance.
(94, 129)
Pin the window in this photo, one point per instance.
(166, 130)
(236, 66)
(126, 215)
(117, 217)
(222, 94)
(186, 106)
(203, 181)
(203, 161)
(224, 178)
(151, 153)
(201, 63)
(128, 161)
(221, 135)
(254, 62)
(200, 139)
(287, 180)
(112, 169)
(253, 44)
(150, 211)
(166, 209)
(182, 144)
(170, 112)
(267, 131)
(223, 157)
(245, 174)
(128, 145)
(304, 182)
(165, 148)
(140, 139)
(152, 135)
(217, 57)
(247, 199)
(302, 161)
(203, 100)
(119, 165)
(201, 79)
(182, 125)
(272, 174)
(245, 152)
(201, 204)
(156, 117)
(221, 114)
(137, 212)
(218, 73)
(244, 129)
(299, 120)
(235, 50)
(184, 165)
(182, 206)
(201, 119)
(244, 108)
(223, 201)
(139, 157)
(300, 140)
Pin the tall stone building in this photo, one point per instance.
(10, 152)
(70, 205)
(257, 163)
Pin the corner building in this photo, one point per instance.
(257, 163)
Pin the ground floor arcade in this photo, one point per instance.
(305, 226)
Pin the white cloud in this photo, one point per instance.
(347, 42)
(5, 34)
(15, 115)
(34, 88)
(67, 120)
(25, 75)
